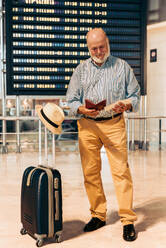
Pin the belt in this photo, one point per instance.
(102, 118)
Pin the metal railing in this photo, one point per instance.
(17, 134)
(144, 143)
(132, 133)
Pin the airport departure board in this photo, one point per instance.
(45, 40)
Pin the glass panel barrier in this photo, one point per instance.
(152, 136)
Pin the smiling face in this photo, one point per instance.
(98, 45)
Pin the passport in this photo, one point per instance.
(97, 106)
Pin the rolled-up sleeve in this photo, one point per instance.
(132, 88)
(73, 95)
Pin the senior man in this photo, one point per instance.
(104, 77)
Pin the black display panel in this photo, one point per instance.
(45, 40)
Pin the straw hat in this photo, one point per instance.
(52, 116)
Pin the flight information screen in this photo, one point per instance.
(45, 40)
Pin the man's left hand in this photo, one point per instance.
(121, 107)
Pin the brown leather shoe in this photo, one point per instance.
(129, 233)
(94, 224)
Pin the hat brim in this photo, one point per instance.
(54, 130)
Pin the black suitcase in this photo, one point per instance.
(41, 204)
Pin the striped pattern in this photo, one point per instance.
(113, 81)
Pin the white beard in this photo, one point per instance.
(100, 61)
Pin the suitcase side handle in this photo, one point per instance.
(45, 167)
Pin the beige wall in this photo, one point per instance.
(156, 71)
(156, 80)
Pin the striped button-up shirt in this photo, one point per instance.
(113, 81)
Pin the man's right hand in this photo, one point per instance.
(89, 112)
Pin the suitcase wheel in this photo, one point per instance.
(57, 238)
(23, 231)
(39, 242)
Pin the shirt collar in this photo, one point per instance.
(103, 65)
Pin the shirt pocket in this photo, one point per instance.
(119, 87)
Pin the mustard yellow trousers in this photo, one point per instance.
(112, 134)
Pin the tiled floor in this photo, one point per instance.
(149, 177)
